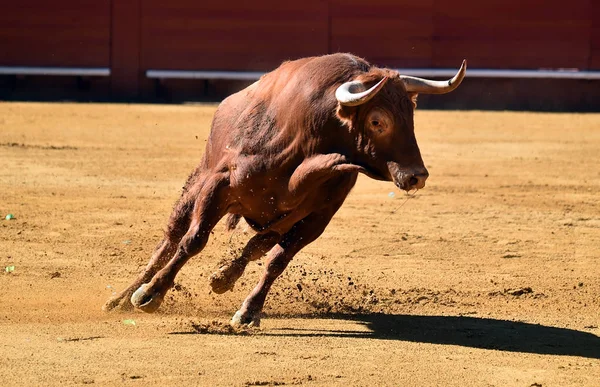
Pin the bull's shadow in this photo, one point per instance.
(471, 332)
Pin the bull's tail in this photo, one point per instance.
(232, 221)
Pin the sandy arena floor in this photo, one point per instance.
(489, 276)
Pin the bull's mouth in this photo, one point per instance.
(406, 185)
(405, 181)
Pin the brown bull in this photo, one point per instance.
(284, 153)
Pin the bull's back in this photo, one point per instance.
(224, 125)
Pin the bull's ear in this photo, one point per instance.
(413, 99)
(346, 114)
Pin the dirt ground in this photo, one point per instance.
(489, 276)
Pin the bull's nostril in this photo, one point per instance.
(413, 181)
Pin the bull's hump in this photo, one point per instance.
(314, 73)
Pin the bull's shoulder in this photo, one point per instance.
(290, 110)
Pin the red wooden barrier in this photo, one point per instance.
(131, 36)
(69, 33)
(231, 35)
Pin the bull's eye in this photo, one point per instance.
(377, 121)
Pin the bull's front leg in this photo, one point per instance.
(317, 169)
(223, 279)
(301, 234)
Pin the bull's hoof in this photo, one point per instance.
(240, 319)
(223, 280)
(145, 300)
(118, 303)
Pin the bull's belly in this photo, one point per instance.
(273, 217)
(267, 202)
(276, 210)
(280, 225)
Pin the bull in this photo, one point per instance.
(284, 154)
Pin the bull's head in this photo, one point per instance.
(381, 116)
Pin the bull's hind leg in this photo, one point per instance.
(223, 279)
(210, 206)
(179, 222)
(122, 300)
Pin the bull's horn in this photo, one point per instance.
(346, 96)
(426, 86)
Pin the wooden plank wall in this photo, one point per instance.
(231, 34)
(73, 33)
(131, 36)
(528, 34)
(126, 73)
(239, 35)
(595, 44)
(388, 32)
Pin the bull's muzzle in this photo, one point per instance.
(415, 179)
